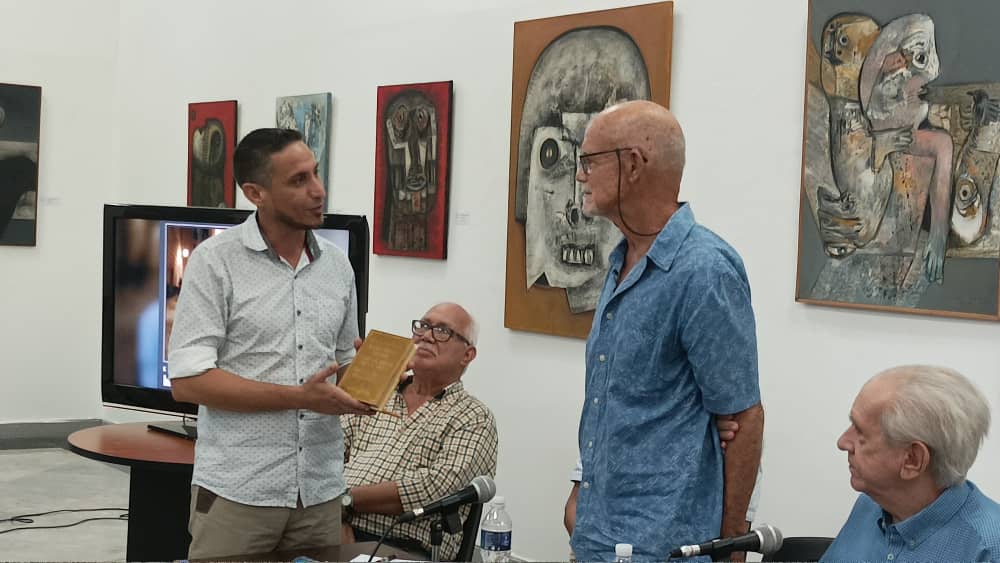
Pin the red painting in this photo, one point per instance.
(211, 143)
(412, 149)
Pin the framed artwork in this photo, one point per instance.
(309, 115)
(901, 140)
(211, 143)
(566, 70)
(412, 150)
(20, 123)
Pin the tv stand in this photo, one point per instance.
(184, 429)
(159, 498)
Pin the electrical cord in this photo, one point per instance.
(28, 518)
(382, 539)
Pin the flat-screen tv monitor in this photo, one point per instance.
(145, 250)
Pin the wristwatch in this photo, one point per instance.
(346, 506)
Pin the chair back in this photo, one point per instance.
(469, 529)
(800, 549)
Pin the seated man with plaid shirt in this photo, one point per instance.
(443, 438)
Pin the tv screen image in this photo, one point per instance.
(146, 249)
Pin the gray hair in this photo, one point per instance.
(941, 408)
(473, 329)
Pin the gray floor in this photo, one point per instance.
(44, 479)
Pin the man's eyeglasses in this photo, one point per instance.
(586, 158)
(440, 333)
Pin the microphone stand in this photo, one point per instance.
(445, 521)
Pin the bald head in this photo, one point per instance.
(649, 127)
(457, 318)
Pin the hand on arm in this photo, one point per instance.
(741, 460)
(728, 427)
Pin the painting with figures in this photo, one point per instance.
(900, 150)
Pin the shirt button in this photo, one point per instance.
(302, 415)
(601, 358)
(590, 444)
(300, 448)
(300, 346)
(298, 313)
(586, 484)
(890, 557)
(596, 400)
(301, 380)
(609, 316)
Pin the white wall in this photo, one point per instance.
(737, 88)
(51, 293)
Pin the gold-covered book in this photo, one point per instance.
(374, 372)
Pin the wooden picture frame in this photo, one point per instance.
(622, 54)
(901, 142)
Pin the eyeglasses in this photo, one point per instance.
(440, 333)
(586, 158)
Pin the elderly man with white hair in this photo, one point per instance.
(914, 433)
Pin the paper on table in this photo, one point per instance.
(363, 558)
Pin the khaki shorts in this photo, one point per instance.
(220, 527)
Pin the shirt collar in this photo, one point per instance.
(667, 243)
(917, 528)
(253, 238)
(451, 389)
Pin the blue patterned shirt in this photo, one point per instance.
(671, 346)
(961, 525)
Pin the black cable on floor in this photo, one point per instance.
(27, 518)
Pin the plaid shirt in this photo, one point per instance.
(429, 454)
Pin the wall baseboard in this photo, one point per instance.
(30, 435)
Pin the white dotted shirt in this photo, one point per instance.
(245, 310)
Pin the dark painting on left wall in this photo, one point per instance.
(20, 122)
(211, 144)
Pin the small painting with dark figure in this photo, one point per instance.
(211, 143)
(411, 169)
(20, 122)
(567, 70)
(900, 152)
(309, 115)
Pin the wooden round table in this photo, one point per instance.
(159, 484)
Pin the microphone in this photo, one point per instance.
(765, 539)
(481, 489)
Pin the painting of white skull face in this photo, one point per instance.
(567, 70)
(20, 113)
(901, 145)
(413, 132)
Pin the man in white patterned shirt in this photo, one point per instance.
(266, 315)
(442, 439)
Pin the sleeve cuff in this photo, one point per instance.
(194, 360)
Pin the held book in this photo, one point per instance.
(374, 372)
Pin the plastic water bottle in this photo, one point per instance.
(494, 535)
(623, 553)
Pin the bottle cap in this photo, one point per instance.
(623, 549)
(499, 500)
